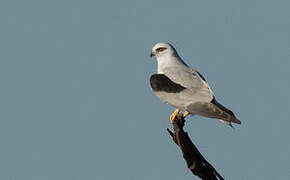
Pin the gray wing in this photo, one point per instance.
(197, 87)
(200, 97)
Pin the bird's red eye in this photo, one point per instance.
(160, 49)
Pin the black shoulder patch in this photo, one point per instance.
(160, 82)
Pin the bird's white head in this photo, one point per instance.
(166, 56)
(162, 49)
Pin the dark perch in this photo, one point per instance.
(194, 160)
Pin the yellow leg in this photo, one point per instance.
(186, 113)
(172, 117)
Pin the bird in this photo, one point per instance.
(184, 88)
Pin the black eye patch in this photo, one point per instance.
(160, 49)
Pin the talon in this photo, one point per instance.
(173, 115)
(186, 113)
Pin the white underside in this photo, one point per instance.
(174, 99)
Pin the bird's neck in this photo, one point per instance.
(165, 62)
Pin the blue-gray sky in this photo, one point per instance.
(76, 103)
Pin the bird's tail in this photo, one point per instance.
(214, 110)
(230, 120)
(227, 116)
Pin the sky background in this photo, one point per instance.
(76, 103)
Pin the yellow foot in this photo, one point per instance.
(173, 115)
(186, 113)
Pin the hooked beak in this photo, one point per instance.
(152, 54)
